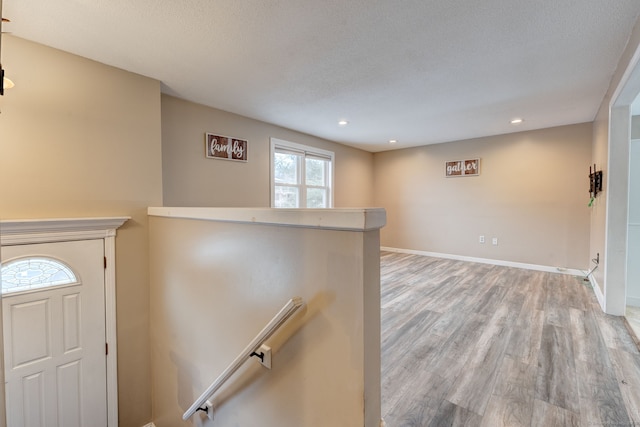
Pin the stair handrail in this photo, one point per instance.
(278, 320)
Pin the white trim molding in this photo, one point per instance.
(548, 269)
(24, 231)
(28, 231)
(332, 219)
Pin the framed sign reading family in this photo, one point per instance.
(225, 147)
(462, 168)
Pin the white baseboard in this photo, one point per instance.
(548, 269)
(597, 291)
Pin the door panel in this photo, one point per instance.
(69, 383)
(71, 322)
(55, 362)
(31, 319)
(34, 390)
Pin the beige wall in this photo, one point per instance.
(190, 179)
(635, 127)
(215, 285)
(532, 194)
(78, 138)
(601, 157)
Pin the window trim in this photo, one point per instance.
(306, 150)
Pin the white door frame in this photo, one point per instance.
(20, 232)
(617, 206)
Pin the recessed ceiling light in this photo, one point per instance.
(343, 123)
(517, 121)
(392, 141)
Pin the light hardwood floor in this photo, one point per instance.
(632, 314)
(466, 344)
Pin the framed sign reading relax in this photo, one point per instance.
(225, 147)
(469, 167)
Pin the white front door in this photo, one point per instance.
(54, 334)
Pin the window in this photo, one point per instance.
(35, 273)
(301, 176)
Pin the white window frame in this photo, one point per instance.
(306, 151)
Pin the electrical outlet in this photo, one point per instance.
(481, 240)
(495, 241)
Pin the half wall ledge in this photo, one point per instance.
(346, 219)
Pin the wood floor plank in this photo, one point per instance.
(477, 344)
(414, 411)
(449, 414)
(583, 294)
(616, 334)
(547, 415)
(490, 300)
(598, 390)
(473, 388)
(394, 346)
(536, 289)
(452, 357)
(526, 336)
(556, 308)
(527, 333)
(433, 362)
(601, 401)
(556, 380)
(504, 411)
(511, 403)
(583, 333)
(627, 368)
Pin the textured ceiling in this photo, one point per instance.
(419, 71)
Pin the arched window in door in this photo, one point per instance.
(25, 274)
